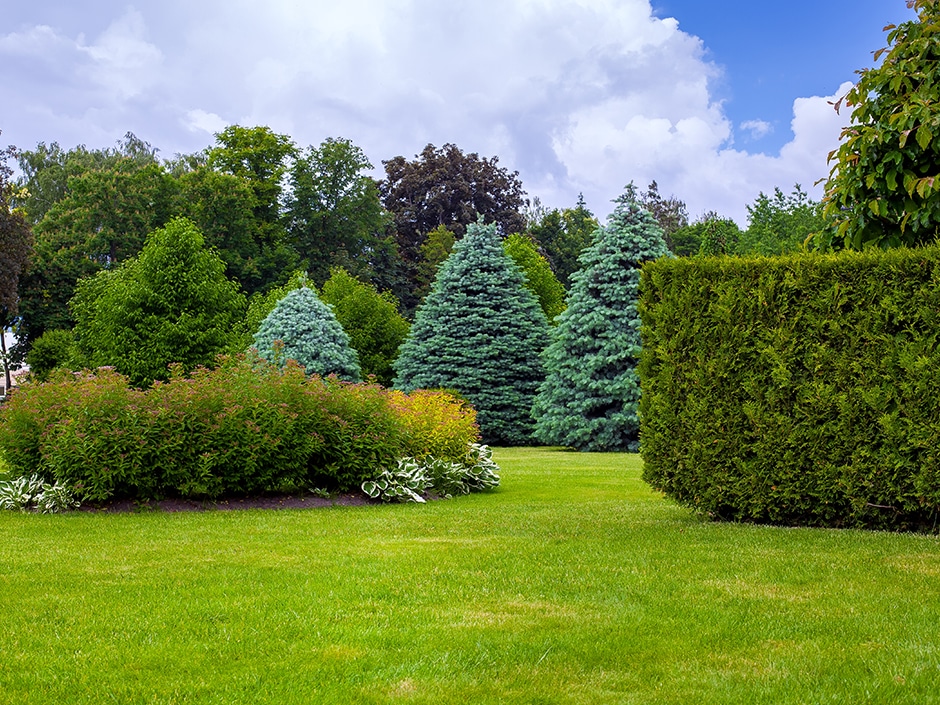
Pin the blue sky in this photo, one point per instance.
(716, 100)
(774, 52)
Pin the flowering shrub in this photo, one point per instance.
(436, 423)
(246, 427)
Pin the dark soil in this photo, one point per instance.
(308, 501)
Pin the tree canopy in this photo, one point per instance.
(170, 304)
(884, 187)
(444, 186)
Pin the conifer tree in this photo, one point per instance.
(540, 279)
(480, 332)
(591, 392)
(303, 328)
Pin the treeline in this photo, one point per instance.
(270, 209)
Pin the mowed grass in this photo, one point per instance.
(573, 583)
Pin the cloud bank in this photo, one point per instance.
(577, 95)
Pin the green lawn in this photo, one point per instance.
(572, 583)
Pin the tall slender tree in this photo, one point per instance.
(589, 398)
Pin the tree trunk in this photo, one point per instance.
(6, 363)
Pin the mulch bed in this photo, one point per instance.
(267, 502)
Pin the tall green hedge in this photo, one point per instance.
(798, 390)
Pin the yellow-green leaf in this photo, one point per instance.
(924, 136)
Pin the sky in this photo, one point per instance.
(717, 101)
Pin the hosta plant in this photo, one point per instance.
(32, 493)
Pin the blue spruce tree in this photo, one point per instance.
(303, 328)
(591, 392)
(480, 332)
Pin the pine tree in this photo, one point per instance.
(480, 332)
(303, 328)
(590, 396)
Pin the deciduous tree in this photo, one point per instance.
(780, 224)
(371, 320)
(884, 187)
(16, 242)
(170, 304)
(539, 278)
(447, 187)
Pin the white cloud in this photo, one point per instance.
(757, 128)
(123, 62)
(201, 121)
(578, 95)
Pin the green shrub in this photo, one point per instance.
(170, 304)
(799, 389)
(244, 428)
(49, 351)
(539, 277)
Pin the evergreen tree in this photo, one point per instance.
(480, 332)
(303, 328)
(590, 396)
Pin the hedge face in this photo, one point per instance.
(480, 332)
(798, 390)
(590, 395)
(309, 334)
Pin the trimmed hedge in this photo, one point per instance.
(799, 390)
(244, 428)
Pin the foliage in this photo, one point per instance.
(244, 428)
(589, 398)
(436, 248)
(539, 278)
(51, 350)
(780, 224)
(414, 479)
(16, 241)
(884, 186)
(334, 216)
(16, 245)
(32, 493)
(562, 236)
(798, 389)
(480, 332)
(260, 305)
(222, 207)
(107, 203)
(436, 423)
(171, 304)
(302, 328)
(371, 320)
(670, 213)
(406, 483)
(447, 187)
(687, 241)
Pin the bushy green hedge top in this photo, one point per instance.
(796, 389)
